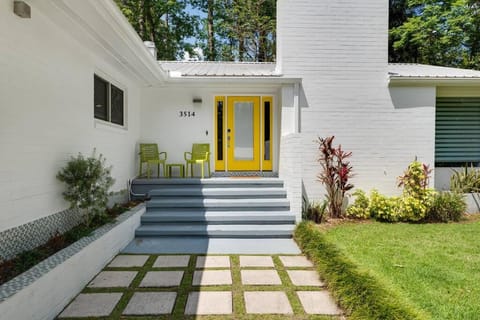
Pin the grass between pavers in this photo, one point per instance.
(435, 266)
(356, 290)
(237, 289)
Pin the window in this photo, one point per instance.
(108, 102)
(457, 132)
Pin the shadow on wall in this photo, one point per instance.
(412, 97)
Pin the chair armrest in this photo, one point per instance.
(185, 155)
(164, 153)
(207, 155)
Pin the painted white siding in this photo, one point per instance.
(162, 124)
(46, 115)
(339, 49)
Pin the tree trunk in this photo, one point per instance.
(212, 54)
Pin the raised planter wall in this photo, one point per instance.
(43, 291)
(473, 202)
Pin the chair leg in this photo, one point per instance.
(209, 172)
(140, 170)
(148, 170)
(164, 168)
(203, 167)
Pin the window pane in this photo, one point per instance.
(117, 105)
(100, 100)
(243, 125)
(266, 126)
(220, 130)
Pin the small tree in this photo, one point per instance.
(88, 181)
(336, 171)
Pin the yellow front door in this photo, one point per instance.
(243, 133)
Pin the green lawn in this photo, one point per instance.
(435, 266)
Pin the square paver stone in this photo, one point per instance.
(213, 262)
(256, 261)
(268, 302)
(260, 277)
(171, 261)
(162, 279)
(305, 278)
(296, 261)
(318, 302)
(110, 279)
(209, 302)
(127, 261)
(212, 278)
(148, 303)
(91, 305)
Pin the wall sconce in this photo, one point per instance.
(21, 9)
(197, 101)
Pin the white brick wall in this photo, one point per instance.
(291, 171)
(339, 49)
(46, 115)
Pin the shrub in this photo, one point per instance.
(446, 206)
(415, 179)
(316, 212)
(360, 207)
(336, 172)
(383, 208)
(465, 181)
(88, 181)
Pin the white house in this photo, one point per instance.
(331, 78)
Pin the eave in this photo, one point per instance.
(101, 27)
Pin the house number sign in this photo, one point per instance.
(186, 114)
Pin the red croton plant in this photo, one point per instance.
(335, 175)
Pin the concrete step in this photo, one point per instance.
(204, 245)
(144, 186)
(219, 217)
(220, 204)
(216, 231)
(219, 193)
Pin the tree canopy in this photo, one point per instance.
(232, 30)
(443, 33)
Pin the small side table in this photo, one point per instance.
(180, 166)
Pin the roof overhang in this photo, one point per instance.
(277, 81)
(101, 27)
(433, 81)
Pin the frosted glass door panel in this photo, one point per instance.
(243, 133)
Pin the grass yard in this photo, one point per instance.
(436, 267)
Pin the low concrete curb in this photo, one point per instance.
(43, 291)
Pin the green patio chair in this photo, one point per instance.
(200, 155)
(149, 154)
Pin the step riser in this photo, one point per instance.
(219, 196)
(216, 222)
(213, 235)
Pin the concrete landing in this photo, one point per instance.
(211, 246)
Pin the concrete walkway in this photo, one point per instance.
(221, 287)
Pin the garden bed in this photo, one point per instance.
(51, 284)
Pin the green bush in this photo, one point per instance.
(465, 181)
(446, 206)
(359, 208)
(88, 181)
(383, 208)
(316, 212)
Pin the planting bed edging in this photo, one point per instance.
(44, 290)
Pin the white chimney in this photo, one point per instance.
(151, 47)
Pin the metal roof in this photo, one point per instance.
(423, 71)
(219, 69)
